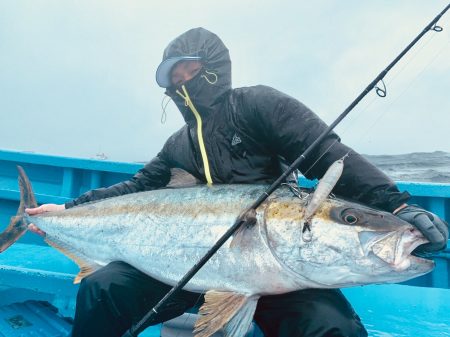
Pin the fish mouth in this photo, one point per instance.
(396, 248)
(407, 244)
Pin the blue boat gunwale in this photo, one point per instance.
(70, 162)
(441, 190)
(76, 175)
(55, 281)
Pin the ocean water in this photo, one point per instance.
(431, 167)
(393, 310)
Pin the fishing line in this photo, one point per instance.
(410, 83)
(412, 57)
(381, 92)
(432, 60)
(369, 103)
(324, 153)
(395, 75)
(240, 221)
(357, 116)
(379, 116)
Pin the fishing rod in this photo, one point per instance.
(241, 220)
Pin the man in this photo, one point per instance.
(236, 136)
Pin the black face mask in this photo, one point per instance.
(203, 92)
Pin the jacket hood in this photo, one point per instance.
(208, 88)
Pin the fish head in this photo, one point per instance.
(343, 244)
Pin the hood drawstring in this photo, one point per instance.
(188, 102)
(164, 104)
(207, 79)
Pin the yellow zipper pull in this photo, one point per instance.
(188, 102)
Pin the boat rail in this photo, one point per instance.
(42, 273)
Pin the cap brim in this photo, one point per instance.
(163, 73)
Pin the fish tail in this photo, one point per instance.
(19, 224)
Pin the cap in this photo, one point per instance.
(163, 73)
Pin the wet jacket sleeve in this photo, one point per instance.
(288, 127)
(153, 175)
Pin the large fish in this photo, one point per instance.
(164, 232)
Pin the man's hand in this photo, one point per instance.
(42, 209)
(432, 227)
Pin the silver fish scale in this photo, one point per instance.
(164, 232)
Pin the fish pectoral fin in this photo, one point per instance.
(250, 220)
(85, 270)
(86, 267)
(229, 311)
(238, 238)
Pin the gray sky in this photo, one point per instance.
(77, 77)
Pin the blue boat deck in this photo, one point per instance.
(30, 270)
(40, 273)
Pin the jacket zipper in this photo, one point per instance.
(188, 102)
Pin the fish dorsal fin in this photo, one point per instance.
(86, 267)
(181, 178)
(229, 311)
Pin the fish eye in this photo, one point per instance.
(350, 216)
(350, 219)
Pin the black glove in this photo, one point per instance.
(432, 227)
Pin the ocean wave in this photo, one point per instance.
(418, 166)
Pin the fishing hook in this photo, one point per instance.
(295, 190)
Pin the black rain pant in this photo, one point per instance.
(115, 297)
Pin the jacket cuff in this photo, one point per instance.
(397, 200)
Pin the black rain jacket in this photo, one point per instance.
(245, 133)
